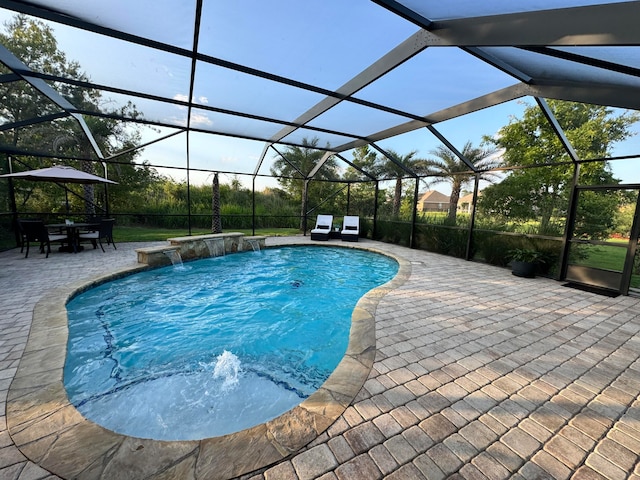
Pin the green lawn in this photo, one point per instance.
(600, 256)
(606, 257)
(150, 234)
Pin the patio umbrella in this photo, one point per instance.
(59, 174)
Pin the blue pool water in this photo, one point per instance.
(217, 345)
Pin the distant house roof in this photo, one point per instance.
(433, 196)
(468, 198)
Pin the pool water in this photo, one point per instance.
(217, 345)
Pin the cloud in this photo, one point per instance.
(184, 98)
(200, 120)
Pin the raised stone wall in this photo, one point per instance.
(155, 256)
(252, 243)
(200, 246)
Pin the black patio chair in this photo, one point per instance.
(23, 237)
(36, 231)
(104, 231)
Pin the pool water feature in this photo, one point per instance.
(215, 246)
(221, 345)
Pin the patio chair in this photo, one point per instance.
(104, 231)
(94, 219)
(322, 228)
(22, 235)
(36, 231)
(350, 228)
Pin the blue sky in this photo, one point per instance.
(333, 42)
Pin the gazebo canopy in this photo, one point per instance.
(270, 73)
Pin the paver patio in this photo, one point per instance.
(478, 374)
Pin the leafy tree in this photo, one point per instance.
(365, 159)
(624, 220)
(293, 167)
(542, 193)
(34, 43)
(449, 168)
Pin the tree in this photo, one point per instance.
(624, 219)
(449, 168)
(292, 170)
(398, 170)
(542, 193)
(216, 220)
(362, 189)
(366, 160)
(34, 43)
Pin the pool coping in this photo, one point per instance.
(51, 432)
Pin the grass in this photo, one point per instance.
(602, 256)
(607, 258)
(598, 256)
(151, 234)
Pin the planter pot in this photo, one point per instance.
(523, 269)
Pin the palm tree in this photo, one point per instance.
(293, 167)
(216, 219)
(449, 168)
(395, 170)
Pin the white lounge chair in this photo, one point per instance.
(322, 228)
(350, 228)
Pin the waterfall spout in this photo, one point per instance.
(215, 246)
(255, 244)
(174, 256)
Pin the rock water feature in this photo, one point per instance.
(201, 246)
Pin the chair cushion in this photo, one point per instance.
(90, 235)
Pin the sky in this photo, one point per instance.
(332, 42)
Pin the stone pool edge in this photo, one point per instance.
(52, 433)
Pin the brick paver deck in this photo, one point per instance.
(478, 374)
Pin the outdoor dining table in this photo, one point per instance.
(72, 230)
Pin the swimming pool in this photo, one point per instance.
(216, 346)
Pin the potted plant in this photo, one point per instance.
(524, 261)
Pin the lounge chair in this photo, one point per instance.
(104, 231)
(322, 228)
(36, 231)
(350, 228)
